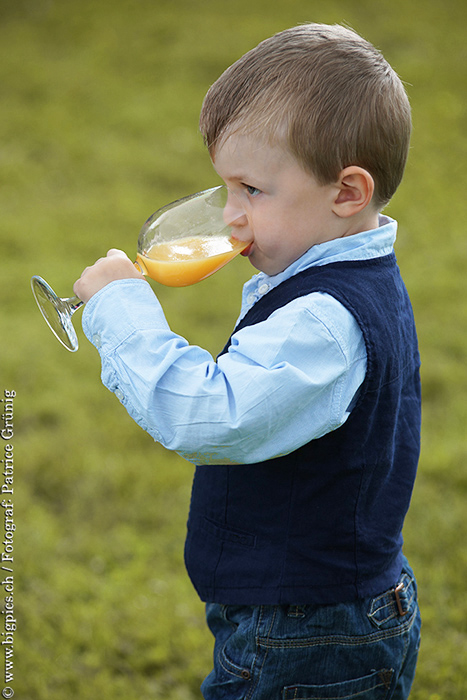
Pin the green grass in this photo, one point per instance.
(98, 128)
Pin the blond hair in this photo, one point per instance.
(328, 92)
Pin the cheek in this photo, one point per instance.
(271, 221)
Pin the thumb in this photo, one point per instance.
(116, 251)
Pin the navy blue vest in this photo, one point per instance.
(322, 524)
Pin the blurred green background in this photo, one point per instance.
(99, 104)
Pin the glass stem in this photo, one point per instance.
(73, 303)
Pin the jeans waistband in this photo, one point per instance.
(396, 602)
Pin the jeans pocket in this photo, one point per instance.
(235, 649)
(376, 686)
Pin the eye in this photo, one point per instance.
(252, 191)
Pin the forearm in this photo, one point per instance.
(250, 406)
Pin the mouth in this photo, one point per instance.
(246, 251)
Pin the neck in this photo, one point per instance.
(368, 222)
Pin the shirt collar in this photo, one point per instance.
(360, 246)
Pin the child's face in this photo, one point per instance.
(278, 206)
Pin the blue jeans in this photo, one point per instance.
(365, 650)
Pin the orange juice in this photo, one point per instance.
(188, 260)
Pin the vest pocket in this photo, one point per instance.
(219, 561)
(376, 686)
(226, 534)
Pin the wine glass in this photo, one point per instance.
(180, 244)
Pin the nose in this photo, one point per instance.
(234, 214)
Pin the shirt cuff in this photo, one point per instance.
(118, 310)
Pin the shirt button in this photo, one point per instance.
(263, 289)
(119, 394)
(96, 340)
(251, 298)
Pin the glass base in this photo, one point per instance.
(56, 312)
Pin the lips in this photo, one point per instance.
(246, 250)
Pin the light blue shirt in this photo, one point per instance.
(283, 382)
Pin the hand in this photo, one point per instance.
(115, 266)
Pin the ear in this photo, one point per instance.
(355, 191)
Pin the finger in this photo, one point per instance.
(89, 267)
(116, 251)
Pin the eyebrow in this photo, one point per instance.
(242, 177)
(237, 176)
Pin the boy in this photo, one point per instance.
(305, 432)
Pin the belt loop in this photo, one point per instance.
(397, 591)
(296, 611)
